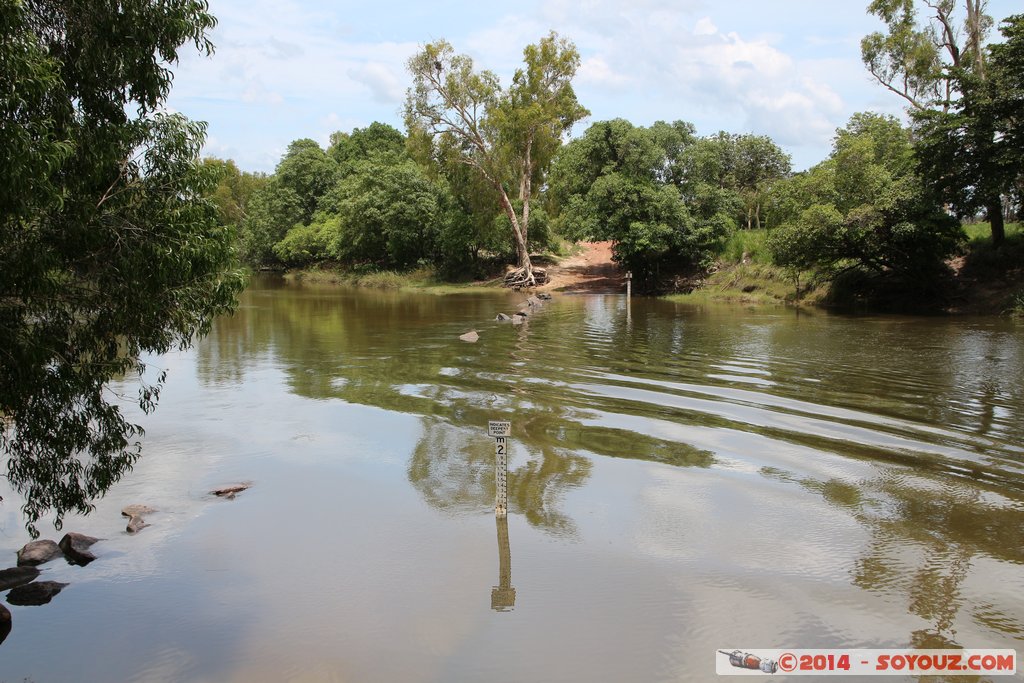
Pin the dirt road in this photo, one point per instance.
(590, 271)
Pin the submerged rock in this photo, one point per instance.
(471, 337)
(5, 623)
(134, 514)
(34, 594)
(136, 510)
(534, 302)
(38, 552)
(502, 318)
(544, 296)
(230, 492)
(76, 548)
(17, 576)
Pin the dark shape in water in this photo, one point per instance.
(76, 548)
(38, 552)
(5, 623)
(230, 492)
(34, 594)
(17, 576)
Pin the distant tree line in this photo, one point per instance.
(483, 174)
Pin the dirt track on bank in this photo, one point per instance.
(590, 271)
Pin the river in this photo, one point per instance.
(681, 480)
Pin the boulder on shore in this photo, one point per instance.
(76, 548)
(34, 594)
(17, 576)
(38, 552)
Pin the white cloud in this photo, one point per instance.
(385, 85)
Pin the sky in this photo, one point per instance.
(285, 70)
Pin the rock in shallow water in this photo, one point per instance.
(76, 548)
(38, 552)
(471, 337)
(5, 623)
(33, 594)
(17, 576)
(230, 492)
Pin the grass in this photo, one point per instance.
(422, 279)
(750, 284)
(981, 233)
(753, 243)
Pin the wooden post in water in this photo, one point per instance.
(500, 431)
(629, 284)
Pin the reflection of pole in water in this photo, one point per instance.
(503, 596)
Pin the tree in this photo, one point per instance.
(865, 208)
(938, 67)
(108, 245)
(971, 152)
(607, 185)
(508, 136)
(234, 190)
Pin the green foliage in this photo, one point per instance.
(507, 136)
(109, 247)
(308, 172)
(347, 149)
(753, 243)
(306, 244)
(234, 190)
(866, 208)
(273, 210)
(972, 152)
(607, 186)
(389, 214)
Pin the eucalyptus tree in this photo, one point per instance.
(506, 135)
(938, 65)
(109, 245)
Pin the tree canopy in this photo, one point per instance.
(508, 136)
(109, 245)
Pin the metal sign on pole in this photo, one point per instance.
(500, 431)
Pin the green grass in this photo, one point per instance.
(422, 279)
(753, 243)
(752, 284)
(980, 233)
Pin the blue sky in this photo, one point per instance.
(285, 70)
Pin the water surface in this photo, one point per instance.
(681, 480)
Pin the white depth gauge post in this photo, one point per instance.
(500, 431)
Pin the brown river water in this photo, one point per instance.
(681, 480)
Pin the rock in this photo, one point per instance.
(134, 514)
(38, 552)
(471, 337)
(544, 296)
(136, 510)
(502, 318)
(522, 313)
(230, 492)
(518, 319)
(534, 302)
(5, 623)
(76, 548)
(17, 576)
(38, 593)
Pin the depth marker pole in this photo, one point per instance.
(500, 431)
